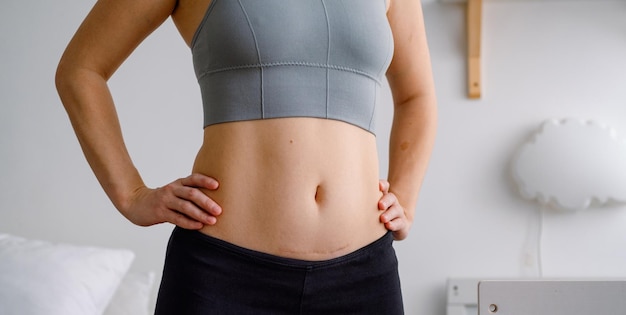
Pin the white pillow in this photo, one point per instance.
(133, 296)
(42, 278)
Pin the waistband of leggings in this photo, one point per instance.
(383, 242)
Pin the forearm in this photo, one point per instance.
(415, 113)
(107, 36)
(89, 105)
(411, 142)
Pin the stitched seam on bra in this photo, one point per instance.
(389, 47)
(290, 63)
(327, 57)
(202, 23)
(258, 52)
(369, 126)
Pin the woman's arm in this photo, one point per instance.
(107, 36)
(415, 115)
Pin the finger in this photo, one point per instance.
(192, 211)
(200, 181)
(391, 214)
(184, 200)
(198, 198)
(383, 186)
(183, 221)
(386, 201)
(401, 234)
(396, 224)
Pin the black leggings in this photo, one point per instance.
(204, 275)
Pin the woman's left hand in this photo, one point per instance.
(393, 217)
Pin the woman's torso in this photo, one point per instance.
(299, 187)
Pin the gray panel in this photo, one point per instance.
(232, 95)
(552, 297)
(292, 91)
(287, 32)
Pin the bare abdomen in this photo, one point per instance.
(303, 188)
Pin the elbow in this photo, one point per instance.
(413, 95)
(418, 107)
(72, 80)
(63, 78)
(425, 101)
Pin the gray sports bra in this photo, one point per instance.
(260, 59)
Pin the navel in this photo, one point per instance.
(318, 194)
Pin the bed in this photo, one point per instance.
(44, 278)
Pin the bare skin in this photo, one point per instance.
(303, 188)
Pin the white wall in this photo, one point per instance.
(542, 59)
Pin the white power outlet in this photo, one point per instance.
(462, 296)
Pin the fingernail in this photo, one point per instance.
(217, 210)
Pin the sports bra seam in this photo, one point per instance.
(202, 23)
(373, 113)
(289, 63)
(389, 47)
(258, 52)
(327, 55)
(367, 127)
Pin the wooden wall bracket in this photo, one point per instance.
(474, 21)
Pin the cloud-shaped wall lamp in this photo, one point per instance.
(572, 164)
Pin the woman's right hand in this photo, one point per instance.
(180, 202)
